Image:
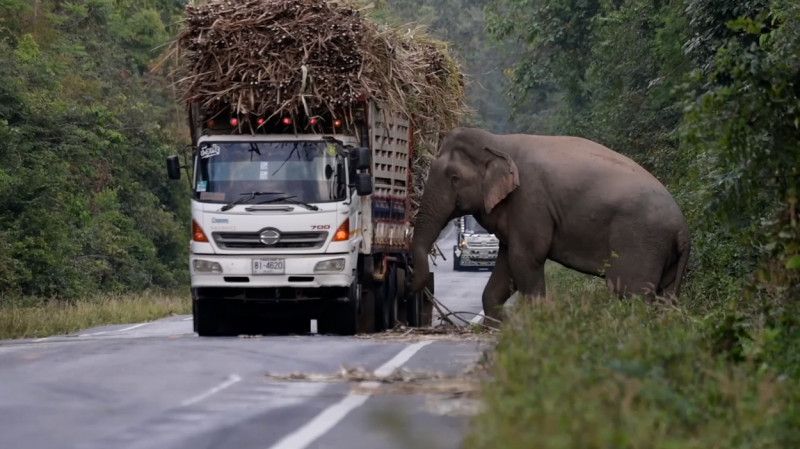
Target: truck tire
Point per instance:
(366, 313)
(411, 304)
(414, 303)
(456, 261)
(208, 316)
(386, 302)
(344, 318)
(403, 297)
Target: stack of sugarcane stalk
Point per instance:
(278, 57)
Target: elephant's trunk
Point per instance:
(434, 213)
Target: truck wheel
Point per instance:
(403, 297)
(366, 313)
(456, 263)
(208, 316)
(344, 318)
(386, 310)
(456, 260)
(414, 309)
(410, 307)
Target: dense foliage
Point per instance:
(84, 130)
(705, 94)
(585, 370)
(702, 92)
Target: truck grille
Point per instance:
(482, 244)
(251, 240)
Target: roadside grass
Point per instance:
(583, 369)
(34, 318)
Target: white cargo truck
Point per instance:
(301, 219)
(475, 248)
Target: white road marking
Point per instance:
(477, 318)
(328, 418)
(188, 319)
(400, 359)
(135, 326)
(232, 379)
(41, 339)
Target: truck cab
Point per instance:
(475, 248)
(283, 198)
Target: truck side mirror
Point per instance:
(173, 167)
(363, 158)
(363, 184)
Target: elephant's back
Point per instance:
(577, 170)
(578, 152)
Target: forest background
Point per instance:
(703, 93)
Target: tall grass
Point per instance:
(38, 318)
(583, 369)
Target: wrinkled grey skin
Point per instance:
(561, 198)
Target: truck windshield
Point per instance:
(313, 172)
(472, 226)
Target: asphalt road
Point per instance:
(158, 385)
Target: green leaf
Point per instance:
(794, 262)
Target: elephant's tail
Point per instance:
(673, 275)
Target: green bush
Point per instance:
(586, 370)
(85, 205)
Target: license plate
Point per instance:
(269, 266)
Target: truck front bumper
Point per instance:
(299, 271)
(469, 257)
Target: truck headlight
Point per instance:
(206, 266)
(333, 265)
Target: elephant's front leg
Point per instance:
(527, 271)
(498, 289)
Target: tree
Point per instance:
(84, 129)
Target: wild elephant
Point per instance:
(562, 198)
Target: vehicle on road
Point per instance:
(313, 224)
(475, 248)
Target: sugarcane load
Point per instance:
(311, 128)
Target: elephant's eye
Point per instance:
(454, 180)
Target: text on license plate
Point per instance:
(269, 266)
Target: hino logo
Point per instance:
(269, 237)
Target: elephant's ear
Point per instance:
(501, 178)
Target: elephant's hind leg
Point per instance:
(498, 289)
(637, 277)
(638, 266)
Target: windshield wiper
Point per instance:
(291, 199)
(246, 196)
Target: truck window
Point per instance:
(305, 169)
(473, 226)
